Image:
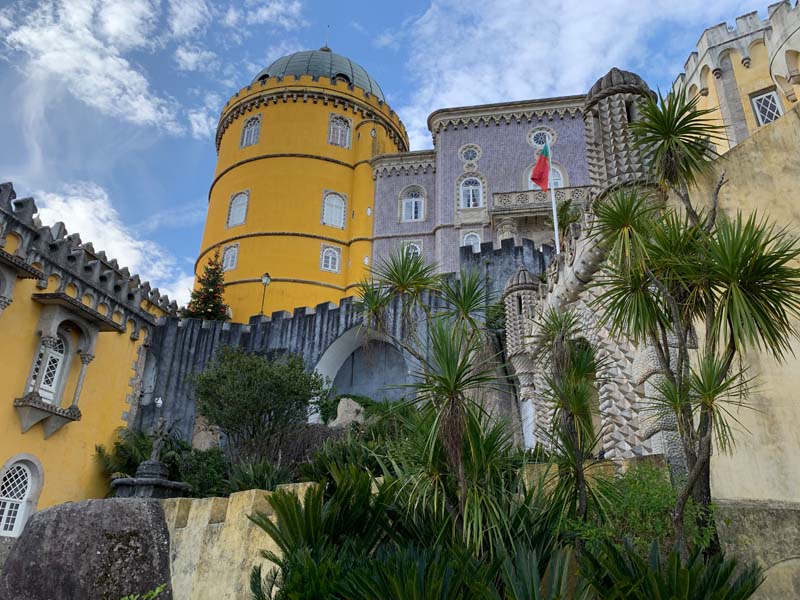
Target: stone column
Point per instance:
(4, 303)
(86, 358)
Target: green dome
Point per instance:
(323, 63)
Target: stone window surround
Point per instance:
(235, 249)
(416, 242)
(325, 194)
(245, 124)
(484, 194)
(28, 508)
(324, 250)
(771, 90)
(401, 200)
(228, 224)
(526, 177)
(336, 117)
(468, 232)
(476, 147)
(533, 131)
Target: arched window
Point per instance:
(412, 204)
(229, 257)
(556, 179)
(237, 210)
(412, 249)
(471, 193)
(333, 211)
(474, 240)
(15, 488)
(51, 366)
(330, 259)
(250, 131)
(339, 131)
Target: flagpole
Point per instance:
(553, 199)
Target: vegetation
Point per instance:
(255, 401)
(207, 299)
(151, 595)
(673, 274)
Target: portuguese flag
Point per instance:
(541, 172)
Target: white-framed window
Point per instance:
(556, 178)
(251, 129)
(237, 209)
(413, 249)
(230, 257)
(767, 107)
(472, 239)
(15, 488)
(51, 365)
(333, 210)
(412, 205)
(471, 193)
(339, 131)
(331, 259)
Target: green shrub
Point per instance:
(642, 513)
(151, 595)
(205, 471)
(262, 475)
(620, 572)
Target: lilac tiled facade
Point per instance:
(503, 158)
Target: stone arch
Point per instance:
(352, 345)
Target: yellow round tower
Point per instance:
(293, 191)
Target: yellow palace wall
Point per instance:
(764, 176)
(287, 172)
(70, 471)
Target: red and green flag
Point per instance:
(541, 171)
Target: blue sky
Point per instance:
(108, 107)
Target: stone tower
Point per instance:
(293, 191)
(520, 298)
(610, 106)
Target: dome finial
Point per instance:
(325, 48)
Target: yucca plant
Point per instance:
(259, 475)
(620, 573)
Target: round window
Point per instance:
(540, 136)
(470, 153)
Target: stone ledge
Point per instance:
(31, 409)
(22, 269)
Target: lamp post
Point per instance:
(265, 279)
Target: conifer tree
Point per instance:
(207, 301)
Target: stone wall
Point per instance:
(214, 545)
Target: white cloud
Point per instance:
(467, 52)
(88, 210)
(194, 58)
(285, 13)
(62, 43)
(203, 119)
(187, 17)
(128, 24)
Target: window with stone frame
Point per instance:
(412, 204)
(333, 210)
(767, 107)
(472, 239)
(237, 209)
(330, 259)
(471, 193)
(413, 249)
(556, 178)
(15, 487)
(339, 131)
(50, 369)
(251, 130)
(230, 256)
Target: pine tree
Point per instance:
(207, 301)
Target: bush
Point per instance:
(205, 471)
(329, 406)
(261, 475)
(151, 595)
(642, 513)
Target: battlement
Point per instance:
(716, 41)
(305, 88)
(50, 250)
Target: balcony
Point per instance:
(535, 203)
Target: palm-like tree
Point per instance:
(670, 273)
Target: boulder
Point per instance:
(347, 411)
(92, 550)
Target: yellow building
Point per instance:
(74, 328)
(293, 189)
(748, 74)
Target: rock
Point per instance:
(92, 550)
(348, 411)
